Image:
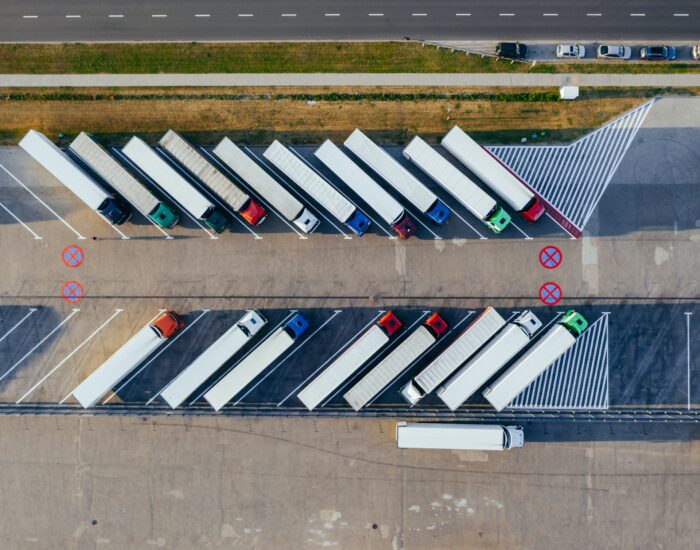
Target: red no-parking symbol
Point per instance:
(72, 292)
(550, 257)
(72, 256)
(550, 293)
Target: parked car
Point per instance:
(511, 50)
(570, 50)
(614, 52)
(651, 53)
(696, 51)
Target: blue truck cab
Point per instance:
(115, 210)
(296, 326)
(358, 222)
(438, 212)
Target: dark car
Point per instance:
(651, 53)
(511, 50)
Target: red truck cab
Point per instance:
(436, 324)
(253, 213)
(533, 211)
(390, 323)
(167, 324)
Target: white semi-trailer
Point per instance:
(318, 188)
(536, 360)
(397, 176)
(479, 331)
(127, 358)
(256, 362)
(62, 167)
(219, 184)
(365, 347)
(280, 199)
(484, 365)
(458, 437)
(418, 342)
(182, 191)
(493, 173)
(447, 176)
(102, 163)
(213, 358)
(369, 190)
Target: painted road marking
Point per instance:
(6, 209)
(165, 347)
(116, 16)
(67, 357)
(688, 314)
(550, 294)
(245, 15)
(202, 15)
(227, 171)
(22, 320)
(376, 14)
(72, 292)
(579, 379)
(278, 325)
(379, 314)
(147, 178)
(206, 191)
(72, 16)
(550, 257)
(302, 344)
(73, 256)
(69, 226)
(18, 363)
(30, 17)
(289, 15)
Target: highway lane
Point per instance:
(111, 20)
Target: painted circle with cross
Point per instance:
(72, 256)
(550, 257)
(72, 292)
(550, 293)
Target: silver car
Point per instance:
(614, 52)
(570, 50)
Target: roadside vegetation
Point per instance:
(309, 115)
(284, 57)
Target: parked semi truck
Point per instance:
(213, 358)
(127, 358)
(365, 347)
(397, 176)
(417, 343)
(484, 365)
(102, 163)
(65, 170)
(536, 360)
(479, 331)
(182, 191)
(493, 174)
(280, 199)
(214, 180)
(318, 188)
(369, 190)
(447, 176)
(256, 362)
(461, 437)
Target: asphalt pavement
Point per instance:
(85, 20)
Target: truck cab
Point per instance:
(574, 322)
(438, 212)
(164, 216)
(167, 324)
(296, 326)
(513, 437)
(405, 227)
(533, 210)
(497, 220)
(253, 213)
(358, 222)
(115, 210)
(528, 322)
(390, 323)
(251, 323)
(216, 220)
(436, 324)
(307, 222)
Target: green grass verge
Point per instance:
(282, 57)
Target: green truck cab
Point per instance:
(498, 220)
(574, 322)
(164, 216)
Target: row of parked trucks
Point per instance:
(107, 187)
(471, 362)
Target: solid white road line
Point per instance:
(30, 17)
(103, 325)
(6, 209)
(72, 16)
(375, 14)
(687, 322)
(159, 15)
(289, 15)
(202, 15)
(245, 15)
(31, 311)
(594, 14)
(69, 226)
(637, 14)
(463, 14)
(116, 16)
(18, 363)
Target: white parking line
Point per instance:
(124, 237)
(245, 15)
(375, 14)
(331, 15)
(470, 226)
(335, 313)
(116, 16)
(332, 356)
(72, 16)
(165, 347)
(419, 14)
(31, 311)
(637, 14)
(62, 362)
(69, 226)
(147, 178)
(550, 15)
(289, 15)
(463, 14)
(202, 15)
(681, 14)
(260, 343)
(594, 14)
(687, 323)
(18, 363)
(30, 17)
(506, 15)
(159, 15)
(6, 209)
(226, 170)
